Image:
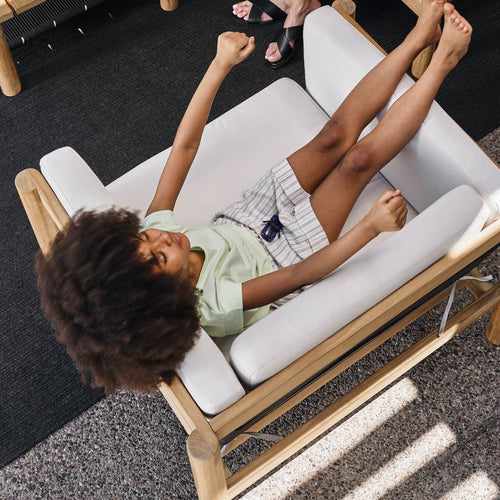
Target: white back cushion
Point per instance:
(236, 149)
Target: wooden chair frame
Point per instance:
(294, 383)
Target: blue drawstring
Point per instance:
(271, 229)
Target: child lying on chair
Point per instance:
(127, 297)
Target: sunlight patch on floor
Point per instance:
(337, 442)
(405, 464)
(478, 486)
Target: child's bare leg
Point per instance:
(315, 160)
(336, 195)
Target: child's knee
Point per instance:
(358, 160)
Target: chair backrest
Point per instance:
(439, 158)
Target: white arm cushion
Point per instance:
(439, 158)
(364, 280)
(208, 377)
(73, 181)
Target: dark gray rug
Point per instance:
(116, 94)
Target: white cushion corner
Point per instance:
(208, 377)
(73, 181)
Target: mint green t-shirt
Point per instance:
(233, 255)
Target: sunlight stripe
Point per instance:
(337, 442)
(478, 486)
(405, 464)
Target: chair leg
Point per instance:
(422, 61)
(346, 6)
(9, 79)
(493, 330)
(169, 4)
(207, 466)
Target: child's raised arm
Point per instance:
(232, 48)
(387, 214)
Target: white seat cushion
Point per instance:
(236, 150)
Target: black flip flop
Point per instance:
(285, 36)
(258, 7)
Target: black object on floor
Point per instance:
(116, 91)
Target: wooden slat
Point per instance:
(302, 436)
(45, 212)
(312, 362)
(22, 5)
(493, 330)
(478, 288)
(5, 11)
(184, 407)
(344, 365)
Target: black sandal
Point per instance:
(287, 35)
(258, 7)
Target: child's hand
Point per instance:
(388, 212)
(232, 48)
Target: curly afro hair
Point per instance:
(123, 324)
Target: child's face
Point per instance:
(169, 250)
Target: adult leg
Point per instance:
(313, 162)
(297, 12)
(333, 200)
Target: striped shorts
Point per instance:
(278, 192)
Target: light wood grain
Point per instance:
(169, 4)
(184, 406)
(23, 5)
(5, 11)
(9, 79)
(493, 330)
(346, 7)
(207, 466)
(422, 61)
(477, 288)
(45, 212)
(263, 464)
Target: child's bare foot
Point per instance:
(455, 39)
(427, 30)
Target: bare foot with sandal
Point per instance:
(293, 12)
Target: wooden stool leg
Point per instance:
(169, 4)
(207, 466)
(422, 61)
(346, 6)
(9, 80)
(493, 331)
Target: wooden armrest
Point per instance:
(23, 5)
(45, 212)
(5, 11)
